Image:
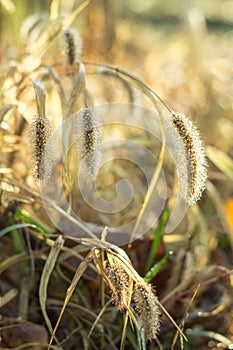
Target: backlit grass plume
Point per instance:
(73, 45)
(40, 145)
(89, 134)
(191, 158)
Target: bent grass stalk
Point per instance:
(193, 148)
(134, 81)
(44, 280)
(78, 274)
(181, 325)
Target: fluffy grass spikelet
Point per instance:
(191, 162)
(41, 148)
(89, 147)
(146, 307)
(73, 45)
(118, 284)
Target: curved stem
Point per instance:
(151, 95)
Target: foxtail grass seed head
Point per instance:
(191, 158)
(119, 285)
(89, 147)
(146, 307)
(41, 148)
(74, 45)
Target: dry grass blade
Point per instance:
(12, 261)
(79, 86)
(172, 320)
(206, 237)
(131, 90)
(78, 274)
(221, 160)
(48, 268)
(54, 9)
(57, 80)
(131, 80)
(69, 128)
(98, 317)
(137, 83)
(72, 219)
(8, 5)
(4, 110)
(11, 294)
(40, 97)
(150, 188)
(45, 40)
(69, 20)
(181, 325)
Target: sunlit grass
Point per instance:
(83, 289)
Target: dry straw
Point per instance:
(89, 134)
(191, 158)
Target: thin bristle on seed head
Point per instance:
(40, 147)
(191, 158)
(146, 307)
(89, 134)
(73, 45)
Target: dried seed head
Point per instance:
(73, 45)
(89, 134)
(146, 306)
(119, 285)
(191, 158)
(41, 148)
